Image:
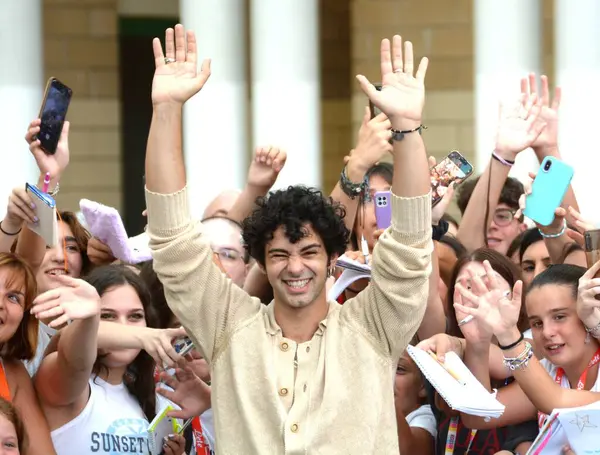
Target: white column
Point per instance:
(215, 127)
(286, 105)
(577, 61)
(507, 39)
(21, 90)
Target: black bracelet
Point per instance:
(399, 135)
(512, 345)
(351, 189)
(9, 233)
(502, 160)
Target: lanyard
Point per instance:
(201, 445)
(4, 389)
(560, 373)
(451, 439)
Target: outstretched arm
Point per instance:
(205, 302)
(392, 306)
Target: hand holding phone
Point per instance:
(455, 168)
(53, 114)
(548, 190)
(383, 209)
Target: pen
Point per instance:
(46, 182)
(364, 246)
(448, 369)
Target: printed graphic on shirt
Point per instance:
(123, 436)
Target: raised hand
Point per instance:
(581, 225)
(266, 166)
(20, 209)
(55, 164)
(548, 113)
(588, 305)
(495, 311)
(189, 392)
(519, 126)
(402, 95)
(74, 300)
(176, 78)
(373, 141)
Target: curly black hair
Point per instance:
(294, 208)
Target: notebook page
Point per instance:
(346, 263)
(582, 427)
(471, 398)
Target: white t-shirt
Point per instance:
(45, 334)
(565, 384)
(423, 418)
(112, 422)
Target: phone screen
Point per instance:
(453, 168)
(53, 114)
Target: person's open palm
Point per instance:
(519, 126)
(56, 163)
(176, 78)
(548, 112)
(188, 391)
(74, 300)
(402, 94)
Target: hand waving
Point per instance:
(55, 164)
(74, 300)
(548, 113)
(179, 80)
(266, 166)
(494, 310)
(402, 95)
(518, 126)
(189, 392)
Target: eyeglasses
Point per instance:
(228, 255)
(503, 217)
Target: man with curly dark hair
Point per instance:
(297, 231)
(300, 375)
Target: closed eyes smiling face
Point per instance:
(297, 271)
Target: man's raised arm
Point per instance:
(205, 302)
(392, 307)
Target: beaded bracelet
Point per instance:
(521, 361)
(557, 235)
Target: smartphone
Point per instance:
(455, 168)
(183, 346)
(375, 110)
(383, 209)
(548, 190)
(592, 249)
(53, 113)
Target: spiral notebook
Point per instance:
(461, 390)
(160, 428)
(47, 226)
(353, 271)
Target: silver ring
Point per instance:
(398, 71)
(169, 60)
(466, 320)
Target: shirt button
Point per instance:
(284, 346)
(307, 348)
(283, 392)
(294, 428)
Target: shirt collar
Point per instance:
(273, 328)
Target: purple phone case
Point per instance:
(383, 209)
(106, 225)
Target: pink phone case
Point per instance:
(383, 209)
(106, 225)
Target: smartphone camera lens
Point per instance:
(547, 166)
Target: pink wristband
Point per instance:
(502, 160)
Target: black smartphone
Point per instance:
(374, 110)
(53, 113)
